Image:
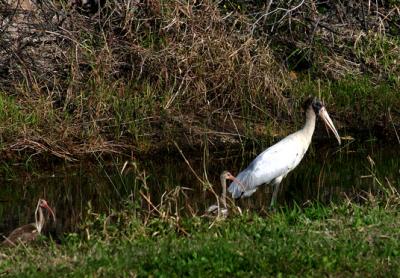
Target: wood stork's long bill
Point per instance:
(328, 122)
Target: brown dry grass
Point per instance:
(93, 82)
(136, 73)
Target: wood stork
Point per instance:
(273, 164)
(31, 231)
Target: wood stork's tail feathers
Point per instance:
(235, 190)
(249, 192)
(243, 187)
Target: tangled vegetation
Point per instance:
(122, 76)
(135, 77)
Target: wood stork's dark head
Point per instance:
(319, 109)
(314, 104)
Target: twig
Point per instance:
(188, 163)
(394, 127)
(274, 11)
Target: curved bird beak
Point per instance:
(234, 179)
(46, 206)
(325, 117)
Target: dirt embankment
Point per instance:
(86, 77)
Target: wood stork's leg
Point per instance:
(276, 182)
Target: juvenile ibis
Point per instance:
(217, 209)
(273, 164)
(31, 231)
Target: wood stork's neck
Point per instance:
(309, 127)
(223, 196)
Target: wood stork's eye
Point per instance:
(317, 105)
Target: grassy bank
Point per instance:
(338, 239)
(121, 78)
(164, 234)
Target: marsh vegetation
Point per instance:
(151, 219)
(133, 76)
(175, 92)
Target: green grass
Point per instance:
(357, 103)
(380, 53)
(339, 240)
(14, 117)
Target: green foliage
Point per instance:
(341, 240)
(13, 117)
(380, 53)
(359, 101)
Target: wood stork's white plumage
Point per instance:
(273, 164)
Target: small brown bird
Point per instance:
(31, 231)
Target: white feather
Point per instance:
(275, 162)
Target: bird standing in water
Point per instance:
(273, 164)
(223, 211)
(31, 231)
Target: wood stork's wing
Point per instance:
(276, 161)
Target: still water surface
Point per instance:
(327, 173)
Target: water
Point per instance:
(326, 174)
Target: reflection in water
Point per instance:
(324, 176)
